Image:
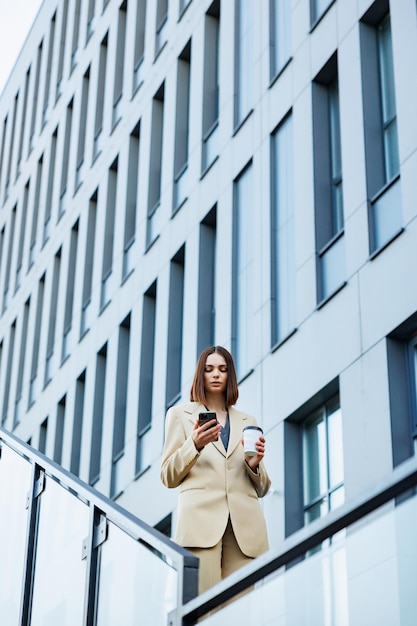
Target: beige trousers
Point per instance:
(219, 561)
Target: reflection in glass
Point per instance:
(135, 586)
(15, 480)
(60, 572)
(367, 577)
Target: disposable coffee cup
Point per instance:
(251, 435)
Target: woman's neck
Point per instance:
(216, 403)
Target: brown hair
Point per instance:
(198, 392)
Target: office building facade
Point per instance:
(176, 174)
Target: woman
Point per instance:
(219, 517)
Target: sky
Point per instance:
(16, 18)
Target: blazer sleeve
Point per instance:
(179, 454)
(260, 479)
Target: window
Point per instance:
(33, 387)
(155, 166)
(120, 62)
(328, 182)
(11, 149)
(22, 361)
(183, 5)
(107, 267)
(82, 130)
(48, 70)
(35, 98)
(118, 480)
(313, 444)
(131, 202)
(182, 128)
(3, 145)
(23, 220)
(146, 375)
(90, 18)
(23, 123)
(242, 295)
(49, 193)
(62, 42)
(9, 259)
(52, 318)
(65, 160)
(413, 368)
(283, 274)
(323, 461)
(175, 328)
(35, 212)
(211, 85)
(75, 34)
(380, 127)
(43, 436)
(206, 282)
(88, 264)
(98, 124)
(77, 427)
(139, 44)
(402, 379)
(69, 298)
(243, 61)
(10, 360)
(59, 430)
(318, 8)
(161, 25)
(98, 411)
(280, 35)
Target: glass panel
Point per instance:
(135, 584)
(60, 572)
(387, 215)
(392, 158)
(367, 577)
(317, 510)
(389, 112)
(335, 158)
(283, 233)
(245, 60)
(281, 37)
(244, 273)
(210, 148)
(319, 8)
(333, 268)
(386, 70)
(335, 437)
(181, 188)
(15, 481)
(315, 460)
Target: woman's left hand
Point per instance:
(253, 461)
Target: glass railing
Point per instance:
(355, 567)
(71, 556)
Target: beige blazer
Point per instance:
(213, 484)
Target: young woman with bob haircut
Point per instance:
(219, 517)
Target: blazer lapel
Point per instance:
(237, 423)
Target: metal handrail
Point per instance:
(401, 482)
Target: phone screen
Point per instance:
(207, 416)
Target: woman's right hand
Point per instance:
(207, 433)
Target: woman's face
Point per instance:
(215, 374)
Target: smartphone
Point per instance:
(207, 416)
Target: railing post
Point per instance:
(32, 504)
(91, 552)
